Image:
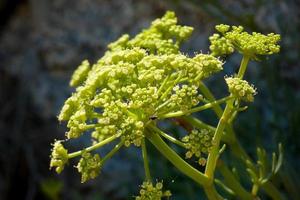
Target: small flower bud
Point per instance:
(80, 74)
(240, 89)
(89, 166)
(59, 157)
(150, 192)
(198, 142)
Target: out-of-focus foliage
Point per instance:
(43, 40)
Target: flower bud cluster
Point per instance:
(220, 45)
(59, 157)
(120, 43)
(159, 38)
(125, 87)
(198, 142)
(241, 89)
(152, 192)
(80, 74)
(184, 97)
(209, 65)
(89, 166)
(249, 44)
(168, 26)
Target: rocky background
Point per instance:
(43, 41)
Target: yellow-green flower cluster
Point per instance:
(152, 192)
(249, 44)
(185, 94)
(159, 38)
(240, 88)
(80, 74)
(209, 65)
(118, 94)
(59, 157)
(220, 45)
(198, 142)
(89, 166)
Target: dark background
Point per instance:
(43, 41)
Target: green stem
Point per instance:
(254, 190)
(207, 93)
(94, 147)
(243, 66)
(168, 137)
(163, 105)
(112, 152)
(170, 88)
(163, 85)
(176, 160)
(146, 161)
(235, 146)
(196, 109)
(232, 183)
(201, 125)
(198, 123)
(212, 193)
(224, 187)
(214, 153)
(272, 191)
(217, 108)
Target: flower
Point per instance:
(152, 192)
(59, 157)
(80, 74)
(134, 80)
(198, 142)
(252, 45)
(240, 89)
(89, 166)
(220, 45)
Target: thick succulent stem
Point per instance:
(146, 161)
(175, 159)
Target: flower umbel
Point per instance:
(198, 142)
(59, 157)
(133, 81)
(240, 89)
(152, 192)
(248, 44)
(89, 166)
(145, 79)
(80, 74)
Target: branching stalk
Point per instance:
(146, 161)
(112, 152)
(214, 154)
(232, 183)
(196, 109)
(176, 160)
(168, 137)
(94, 147)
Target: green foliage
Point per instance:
(145, 79)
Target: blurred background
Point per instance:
(43, 41)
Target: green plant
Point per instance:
(146, 79)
